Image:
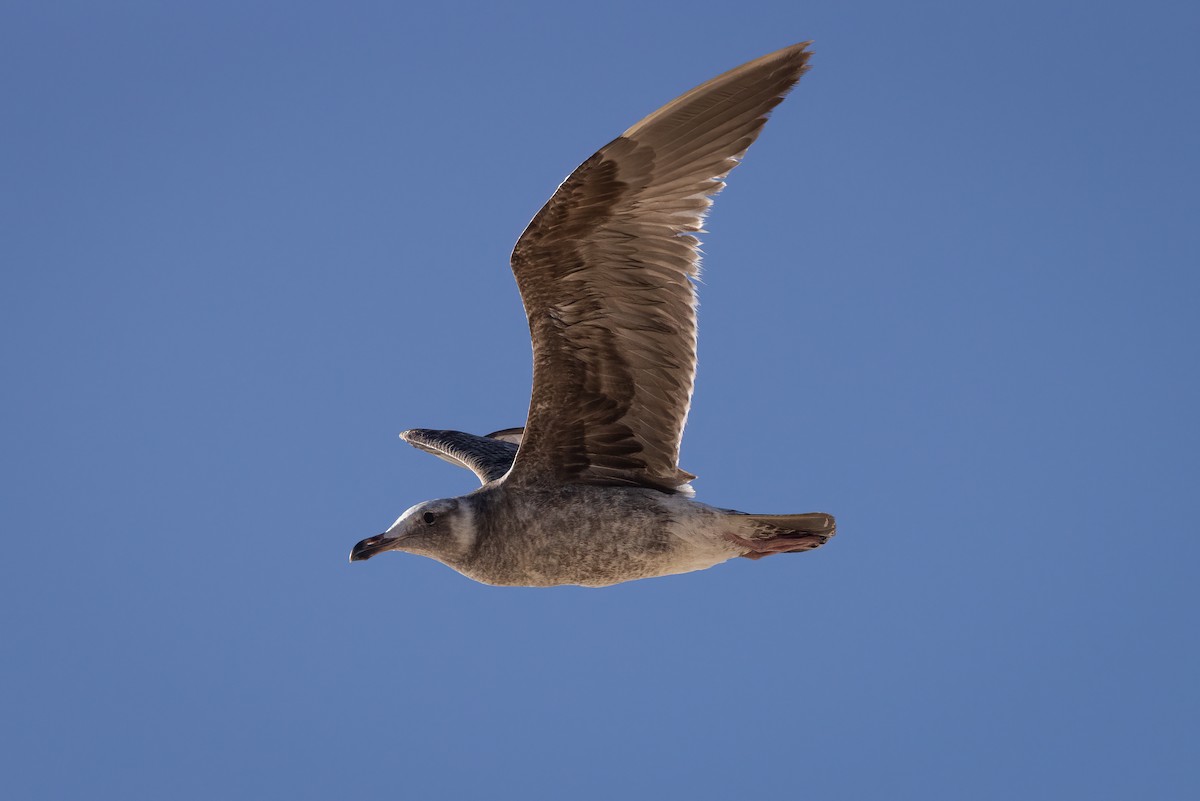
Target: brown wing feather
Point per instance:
(605, 273)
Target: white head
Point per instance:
(442, 529)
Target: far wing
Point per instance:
(487, 457)
(513, 435)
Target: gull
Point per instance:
(589, 491)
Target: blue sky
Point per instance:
(949, 297)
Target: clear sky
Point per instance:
(951, 297)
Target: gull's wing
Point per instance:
(487, 457)
(605, 273)
(512, 435)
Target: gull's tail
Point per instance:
(763, 535)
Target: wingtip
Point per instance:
(788, 64)
(795, 56)
(795, 48)
(801, 49)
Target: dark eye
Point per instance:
(430, 518)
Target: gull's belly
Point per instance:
(597, 537)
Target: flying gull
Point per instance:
(590, 491)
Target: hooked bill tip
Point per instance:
(367, 548)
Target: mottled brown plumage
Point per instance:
(605, 271)
(591, 492)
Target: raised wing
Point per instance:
(487, 457)
(605, 273)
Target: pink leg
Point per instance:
(757, 549)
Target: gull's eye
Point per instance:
(429, 517)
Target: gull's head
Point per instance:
(442, 529)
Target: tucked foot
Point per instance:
(763, 535)
(757, 549)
